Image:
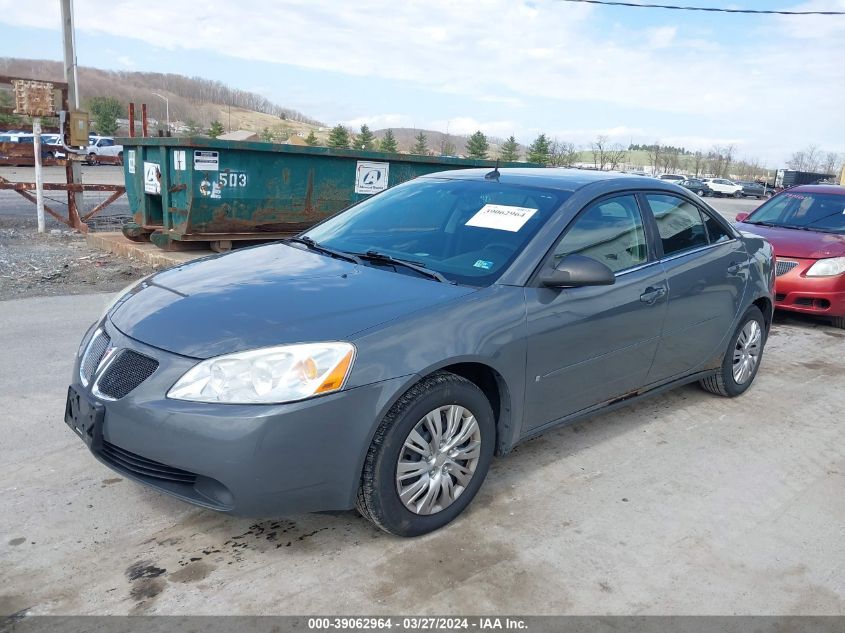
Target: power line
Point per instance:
(675, 7)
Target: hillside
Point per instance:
(196, 102)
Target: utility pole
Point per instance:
(74, 170)
(166, 107)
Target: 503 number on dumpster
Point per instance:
(232, 179)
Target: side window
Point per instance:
(610, 232)
(678, 222)
(715, 231)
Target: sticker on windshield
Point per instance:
(501, 217)
(483, 263)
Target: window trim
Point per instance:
(658, 241)
(652, 254)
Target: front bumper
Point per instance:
(794, 291)
(251, 460)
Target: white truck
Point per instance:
(103, 149)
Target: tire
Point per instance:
(701, 193)
(738, 194)
(723, 382)
(378, 493)
(838, 322)
(92, 159)
(120, 158)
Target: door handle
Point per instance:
(735, 267)
(652, 294)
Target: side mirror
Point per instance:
(741, 217)
(575, 271)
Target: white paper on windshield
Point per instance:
(501, 217)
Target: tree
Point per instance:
(539, 150)
(509, 151)
(388, 143)
(192, 128)
(477, 145)
(365, 140)
(339, 137)
(831, 164)
(311, 139)
(421, 146)
(805, 160)
(654, 153)
(562, 154)
(216, 129)
(105, 111)
(267, 135)
(447, 147)
(599, 147)
(698, 162)
(615, 155)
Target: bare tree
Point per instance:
(698, 162)
(831, 163)
(562, 154)
(807, 159)
(615, 156)
(599, 147)
(654, 154)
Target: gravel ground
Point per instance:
(57, 263)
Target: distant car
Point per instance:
(672, 177)
(380, 359)
(806, 227)
(697, 186)
(103, 146)
(724, 187)
(754, 189)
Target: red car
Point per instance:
(806, 227)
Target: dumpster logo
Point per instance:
(152, 178)
(371, 177)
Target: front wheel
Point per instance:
(742, 358)
(738, 194)
(429, 456)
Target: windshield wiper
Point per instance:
(763, 224)
(375, 256)
(311, 244)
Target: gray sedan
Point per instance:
(381, 359)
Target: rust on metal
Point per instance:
(132, 119)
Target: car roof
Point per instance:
(838, 190)
(553, 177)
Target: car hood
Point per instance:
(268, 295)
(797, 243)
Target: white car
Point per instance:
(724, 187)
(103, 146)
(672, 177)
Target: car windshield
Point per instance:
(802, 210)
(469, 231)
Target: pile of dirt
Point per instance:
(59, 262)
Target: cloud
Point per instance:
(783, 79)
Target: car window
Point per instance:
(611, 232)
(468, 230)
(716, 232)
(106, 142)
(678, 222)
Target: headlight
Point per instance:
(122, 294)
(827, 267)
(269, 375)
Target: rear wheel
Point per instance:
(429, 456)
(737, 194)
(742, 358)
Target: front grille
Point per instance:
(93, 355)
(143, 467)
(784, 266)
(125, 372)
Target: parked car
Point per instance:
(806, 226)
(671, 177)
(754, 189)
(100, 146)
(697, 186)
(383, 357)
(724, 187)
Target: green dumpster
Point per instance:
(202, 189)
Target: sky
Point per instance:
(770, 85)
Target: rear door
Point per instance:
(589, 345)
(706, 267)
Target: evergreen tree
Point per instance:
(510, 150)
(311, 139)
(193, 128)
(388, 143)
(216, 129)
(539, 150)
(477, 145)
(339, 137)
(267, 135)
(421, 146)
(365, 140)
